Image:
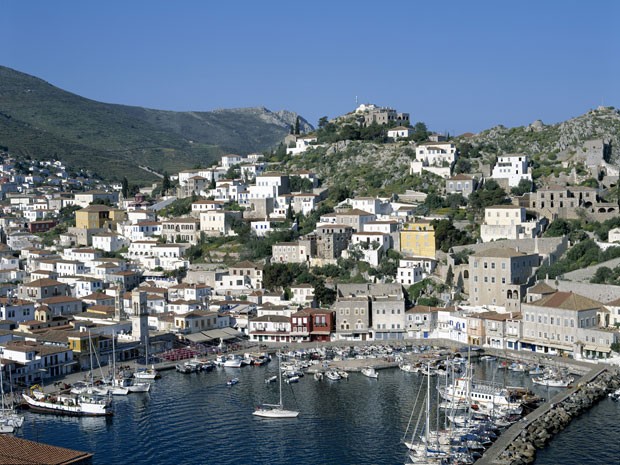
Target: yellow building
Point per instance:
(98, 216)
(418, 239)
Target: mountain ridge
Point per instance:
(43, 121)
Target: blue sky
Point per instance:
(456, 65)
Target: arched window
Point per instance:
(509, 294)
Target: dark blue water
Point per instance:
(197, 419)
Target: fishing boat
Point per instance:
(233, 361)
(408, 368)
(333, 375)
(370, 372)
(69, 404)
(276, 410)
(553, 381)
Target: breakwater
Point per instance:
(518, 445)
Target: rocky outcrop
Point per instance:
(541, 430)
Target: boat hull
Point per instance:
(80, 409)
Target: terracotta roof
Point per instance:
(44, 282)
(541, 288)
(60, 299)
(500, 253)
(18, 451)
(568, 301)
(460, 177)
(247, 264)
(354, 212)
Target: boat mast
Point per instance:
(113, 358)
(428, 407)
(280, 378)
(1, 379)
(90, 351)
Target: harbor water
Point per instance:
(197, 419)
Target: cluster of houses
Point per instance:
(110, 276)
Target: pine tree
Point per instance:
(125, 188)
(450, 276)
(165, 184)
(297, 126)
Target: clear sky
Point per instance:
(456, 65)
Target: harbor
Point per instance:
(514, 445)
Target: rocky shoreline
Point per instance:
(556, 416)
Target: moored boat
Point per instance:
(370, 372)
(70, 404)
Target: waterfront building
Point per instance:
(567, 323)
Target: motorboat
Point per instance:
(370, 372)
(333, 375)
(318, 376)
(233, 361)
(292, 379)
(232, 382)
(271, 379)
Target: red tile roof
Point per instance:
(17, 451)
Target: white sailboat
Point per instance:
(275, 410)
(146, 373)
(9, 419)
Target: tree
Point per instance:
(297, 125)
(490, 194)
(323, 122)
(524, 186)
(166, 185)
(420, 132)
(450, 276)
(125, 188)
(602, 275)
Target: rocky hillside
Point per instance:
(364, 168)
(566, 141)
(43, 121)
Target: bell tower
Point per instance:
(139, 317)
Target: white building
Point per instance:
(435, 157)
(507, 222)
(109, 241)
(400, 132)
(514, 168)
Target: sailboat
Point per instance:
(81, 387)
(275, 410)
(146, 373)
(9, 419)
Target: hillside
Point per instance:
(371, 168)
(548, 144)
(43, 121)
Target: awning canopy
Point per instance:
(223, 334)
(597, 348)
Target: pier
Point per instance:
(517, 445)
